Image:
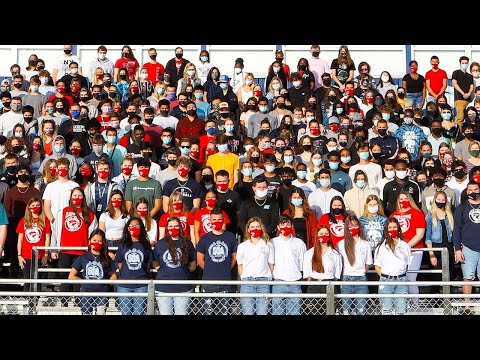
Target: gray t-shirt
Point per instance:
(255, 120)
(36, 101)
(165, 175)
(461, 150)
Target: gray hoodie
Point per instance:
(56, 155)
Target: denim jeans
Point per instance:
(173, 305)
(286, 306)
(391, 306)
(132, 305)
(252, 305)
(354, 306)
(216, 306)
(88, 303)
(416, 99)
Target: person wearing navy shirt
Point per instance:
(134, 257)
(217, 255)
(94, 264)
(174, 258)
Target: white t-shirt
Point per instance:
(381, 185)
(373, 171)
(8, 121)
(390, 263)
(62, 63)
(332, 265)
(166, 122)
(319, 200)
(153, 233)
(288, 258)
(256, 258)
(59, 195)
(307, 188)
(113, 228)
(363, 257)
(457, 188)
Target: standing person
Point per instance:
(289, 253)
(321, 263)
(304, 221)
(413, 225)
(392, 257)
(255, 258)
(176, 66)
(438, 176)
(355, 197)
(217, 256)
(463, 84)
(335, 219)
(357, 259)
(177, 208)
(373, 220)
(72, 227)
(140, 210)
(126, 175)
(436, 80)
(100, 62)
(225, 160)
(320, 199)
(373, 170)
(343, 68)
(134, 258)
(318, 66)
(94, 264)
(128, 62)
(228, 200)
(414, 85)
(174, 259)
(202, 216)
(63, 61)
(465, 237)
(154, 68)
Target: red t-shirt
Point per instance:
(130, 65)
(336, 229)
(74, 230)
(436, 79)
(410, 221)
(185, 218)
(203, 216)
(204, 140)
(34, 236)
(104, 122)
(155, 71)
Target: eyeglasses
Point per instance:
(185, 147)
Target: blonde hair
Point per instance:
(448, 210)
(247, 235)
(410, 200)
(371, 197)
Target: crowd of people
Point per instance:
(322, 174)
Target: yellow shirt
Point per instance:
(229, 162)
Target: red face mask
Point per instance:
(144, 172)
(194, 153)
(323, 238)
(62, 172)
(117, 109)
(209, 152)
(134, 89)
(354, 231)
(256, 233)
(216, 225)
(211, 202)
(142, 212)
(435, 66)
(36, 209)
(258, 93)
(405, 204)
(60, 90)
(183, 172)
(370, 100)
(349, 92)
(476, 178)
(286, 230)
(36, 146)
(134, 232)
(334, 127)
(104, 174)
(222, 187)
(77, 201)
(116, 203)
(85, 172)
(393, 233)
(315, 131)
(94, 246)
(177, 206)
(414, 69)
(99, 76)
(75, 151)
(52, 171)
(75, 88)
(174, 232)
(126, 171)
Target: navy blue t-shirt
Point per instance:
(169, 270)
(90, 268)
(218, 251)
(189, 190)
(134, 263)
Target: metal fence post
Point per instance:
(447, 309)
(151, 298)
(330, 299)
(34, 268)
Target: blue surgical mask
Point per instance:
(112, 139)
(339, 111)
(364, 155)
(297, 202)
(211, 131)
(333, 165)
(385, 116)
(302, 174)
(325, 182)
(263, 108)
(360, 183)
(464, 67)
(59, 149)
(198, 95)
(75, 113)
(222, 147)
(270, 168)
(184, 151)
(229, 128)
(446, 116)
(288, 159)
(166, 140)
(204, 58)
(345, 159)
(317, 162)
(247, 171)
(160, 90)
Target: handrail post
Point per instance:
(34, 268)
(330, 299)
(446, 277)
(151, 298)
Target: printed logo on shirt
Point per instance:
(167, 259)
(337, 229)
(207, 226)
(93, 270)
(72, 222)
(134, 259)
(474, 216)
(404, 221)
(142, 188)
(218, 251)
(185, 191)
(33, 235)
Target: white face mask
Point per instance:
(44, 80)
(475, 74)
(143, 76)
(389, 174)
(191, 72)
(248, 147)
(261, 193)
(2, 149)
(248, 82)
(238, 71)
(401, 174)
(373, 209)
(73, 71)
(385, 78)
(102, 56)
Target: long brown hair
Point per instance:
(176, 195)
(341, 60)
(183, 242)
(349, 240)
(46, 172)
(85, 209)
(28, 219)
(410, 200)
(387, 239)
(247, 235)
(134, 212)
(111, 209)
(307, 210)
(104, 258)
(317, 263)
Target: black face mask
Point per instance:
(84, 99)
(172, 162)
(437, 131)
(378, 102)
(107, 83)
(315, 53)
(280, 149)
(164, 113)
(192, 112)
(382, 132)
(401, 95)
(302, 67)
(189, 94)
(251, 107)
(332, 98)
(59, 110)
(440, 205)
(224, 115)
(337, 211)
(68, 52)
(428, 169)
(23, 178)
(112, 94)
(123, 77)
(131, 113)
(148, 121)
(16, 149)
(377, 155)
(351, 105)
(423, 184)
(307, 147)
(469, 136)
(342, 143)
(6, 104)
(473, 196)
(279, 59)
(153, 57)
(96, 95)
(207, 178)
(39, 68)
(147, 154)
(255, 159)
(287, 126)
(459, 174)
(287, 181)
(360, 139)
(17, 85)
(28, 119)
(11, 169)
(178, 56)
(313, 105)
(281, 105)
(439, 182)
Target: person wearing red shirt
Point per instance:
(176, 208)
(209, 137)
(335, 219)
(128, 62)
(190, 126)
(155, 69)
(202, 216)
(413, 224)
(67, 100)
(436, 80)
(104, 117)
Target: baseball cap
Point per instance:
(223, 106)
(7, 82)
(333, 120)
(224, 78)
